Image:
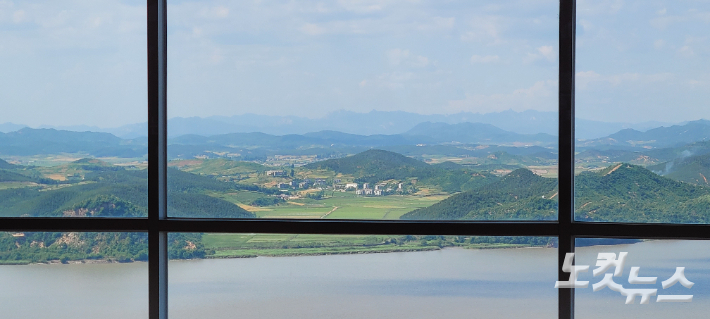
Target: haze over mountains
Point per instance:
(371, 123)
(662, 143)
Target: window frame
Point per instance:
(158, 225)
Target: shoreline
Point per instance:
(276, 253)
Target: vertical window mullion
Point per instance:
(566, 149)
(157, 159)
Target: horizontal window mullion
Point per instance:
(363, 227)
(75, 224)
(643, 231)
(482, 228)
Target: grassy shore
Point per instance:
(278, 245)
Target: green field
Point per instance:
(336, 205)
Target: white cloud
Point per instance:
(398, 57)
(437, 23)
(312, 29)
(219, 12)
(485, 59)
(486, 29)
(585, 79)
(595, 7)
(586, 25)
(548, 52)
(18, 16)
(686, 51)
(545, 52)
(658, 44)
(395, 56)
(363, 6)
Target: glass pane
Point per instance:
(74, 275)
(363, 109)
(655, 258)
(73, 137)
(642, 91)
(338, 276)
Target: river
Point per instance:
(449, 283)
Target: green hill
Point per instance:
(448, 165)
(691, 169)
(630, 193)
(375, 166)
(107, 191)
(33, 247)
(9, 176)
(5, 165)
(121, 193)
(619, 193)
(369, 162)
(519, 195)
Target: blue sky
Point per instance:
(83, 62)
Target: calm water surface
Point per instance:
(451, 283)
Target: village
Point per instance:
(336, 184)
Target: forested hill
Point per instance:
(619, 193)
(690, 169)
(368, 162)
(118, 192)
(374, 166)
(105, 190)
(519, 195)
(629, 193)
(5, 165)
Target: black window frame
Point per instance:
(158, 224)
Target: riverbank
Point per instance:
(289, 252)
(349, 250)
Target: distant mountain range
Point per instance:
(28, 141)
(662, 143)
(675, 135)
(371, 123)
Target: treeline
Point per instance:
(620, 193)
(519, 195)
(374, 166)
(63, 247)
(43, 247)
(121, 193)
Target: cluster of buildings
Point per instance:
(304, 183)
(277, 173)
(379, 189)
(364, 189)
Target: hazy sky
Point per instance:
(83, 62)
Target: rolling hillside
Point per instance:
(519, 195)
(375, 166)
(109, 190)
(619, 193)
(369, 161)
(691, 169)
